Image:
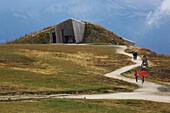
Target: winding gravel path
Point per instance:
(147, 91)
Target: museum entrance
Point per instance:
(54, 37)
(69, 39)
(68, 36)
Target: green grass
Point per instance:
(60, 69)
(84, 106)
(40, 37)
(99, 35)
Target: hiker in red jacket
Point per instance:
(136, 75)
(142, 73)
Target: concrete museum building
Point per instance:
(69, 31)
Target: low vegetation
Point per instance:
(97, 34)
(60, 69)
(84, 106)
(159, 65)
(40, 37)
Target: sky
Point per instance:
(147, 22)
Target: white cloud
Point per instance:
(132, 8)
(155, 18)
(134, 4)
(137, 14)
(115, 5)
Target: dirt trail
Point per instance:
(147, 91)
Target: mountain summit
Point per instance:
(72, 31)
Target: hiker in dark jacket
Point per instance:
(135, 54)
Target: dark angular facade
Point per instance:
(69, 31)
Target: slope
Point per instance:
(47, 69)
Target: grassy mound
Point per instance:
(97, 34)
(93, 34)
(40, 37)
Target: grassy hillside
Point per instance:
(159, 65)
(40, 37)
(97, 34)
(60, 69)
(93, 34)
(84, 106)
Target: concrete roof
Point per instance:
(128, 40)
(70, 19)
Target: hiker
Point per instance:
(142, 73)
(144, 65)
(144, 59)
(135, 54)
(144, 62)
(136, 75)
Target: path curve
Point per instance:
(147, 91)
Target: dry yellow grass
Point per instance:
(83, 59)
(57, 68)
